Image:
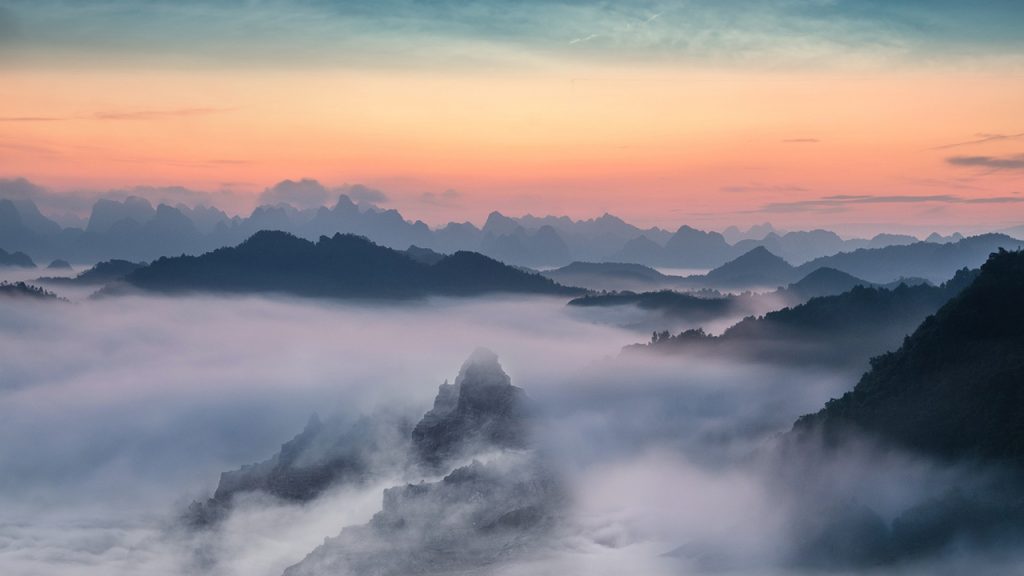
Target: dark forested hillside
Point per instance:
(955, 388)
(844, 329)
(340, 266)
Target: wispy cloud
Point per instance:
(840, 202)
(801, 141)
(992, 163)
(447, 198)
(157, 114)
(981, 138)
(30, 119)
(582, 39)
(758, 187)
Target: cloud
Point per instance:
(30, 119)
(583, 39)
(982, 138)
(993, 163)
(364, 194)
(446, 199)
(840, 202)
(758, 187)
(801, 141)
(157, 114)
(305, 193)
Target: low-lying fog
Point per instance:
(116, 413)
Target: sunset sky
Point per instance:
(849, 114)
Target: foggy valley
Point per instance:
(504, 288)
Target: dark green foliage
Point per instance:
(23, 290)
(955, 388)
(843, 329)
(671, 303)
(102, 273)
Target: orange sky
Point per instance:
(656, 145)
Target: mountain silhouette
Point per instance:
(758, 267)
(934, 262)
(341, 266)
(477, 516)
(102, 273)
(953, 389)
(843, 330)
(611, 276)
(482, 407)
(15, 259)
(825, 282)
(26, 291)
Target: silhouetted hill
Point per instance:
(101, 273)
(692, 248)
(59, 264)
(670, 303)
(341, 266)
(934, 262)
(844, 329)
(953, 391)
(15, 259)
(424, 255)
(756, 268)
(611, 276)
(955, 388)
(23, 290)
(823, 282)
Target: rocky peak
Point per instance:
(481, 410)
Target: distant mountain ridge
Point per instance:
(133, 229)
(342, 266)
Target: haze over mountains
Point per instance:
(133, 229)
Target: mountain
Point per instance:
(611, 276)
(59, 264)
(842, 330)
(477, 516)
(642, 250)
(15, 259)
(26, 291)
(692, 248)
(102, 273)
(954, 388)
(824, 282)
(934, 262)
(474, 520)
(951, 392)
(669, 303)
(756, 268)
(341, 266)
(323, 455)
(481, 410)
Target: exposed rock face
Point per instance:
(481, 411)
(476, 517)
(323, 455)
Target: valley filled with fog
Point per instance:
(117, 412)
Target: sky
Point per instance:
(806, 113)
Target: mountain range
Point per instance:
(842, 330)
(133, 229)
(342, 266)
(475, 515)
